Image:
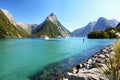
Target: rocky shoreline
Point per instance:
(89, 69)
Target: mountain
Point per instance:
(114, 22)
(51, 27)
(101, 24)
(21, 26)
(118, 25)
(8, 28)
(111, 32)
(82, 32)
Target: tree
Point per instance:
(98, 34)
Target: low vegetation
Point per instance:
(112, 70)
(98, 34)
(108, 33)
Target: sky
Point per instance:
(73, 14)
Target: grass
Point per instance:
(117, 55)
(112, 70)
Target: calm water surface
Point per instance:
(21, 58)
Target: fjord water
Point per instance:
(21, 58)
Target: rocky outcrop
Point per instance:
(89, 69)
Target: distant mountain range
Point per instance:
(112, 32)
(101, 24)
(51, 27)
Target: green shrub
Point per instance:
(98, 34)
(112, 70)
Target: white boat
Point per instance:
(46, 37)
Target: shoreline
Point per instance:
(89, 70)
(63, 71)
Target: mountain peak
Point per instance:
(52, 14)
(101, 18)
(53, 18)
(51, 27)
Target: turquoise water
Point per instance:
(21, 58)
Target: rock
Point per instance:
(96, 55)
(65, 78)
(104, 50)
(69, 73)
(90, 78)
(101, 56)
(100, 60)
(81, 66)
(76, 68)
(107, 55)
(89, 70)
(88, 66)
(96, 59)
(90, 61)
(112, 48)
(84, 64)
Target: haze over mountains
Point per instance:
(51, 27)
(101, 24)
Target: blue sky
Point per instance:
(72, 14)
